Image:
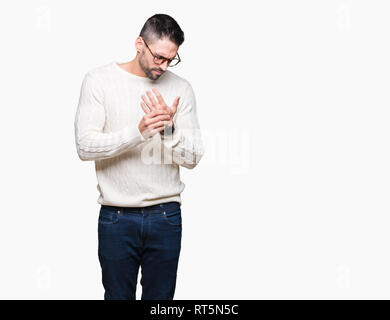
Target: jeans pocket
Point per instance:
(108, 216)
(110, 243)
(172, 218)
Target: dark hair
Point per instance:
(160, 26)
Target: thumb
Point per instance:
(175, 104)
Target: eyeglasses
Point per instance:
(159, 60)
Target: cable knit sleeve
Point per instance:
(91, 142)
(185, 144)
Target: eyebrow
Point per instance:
(160, 56)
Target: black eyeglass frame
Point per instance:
(157, 58)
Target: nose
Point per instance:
(164, 66)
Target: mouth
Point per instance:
(158, 72)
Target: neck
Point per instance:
(133, 67)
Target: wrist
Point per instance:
(168, 130)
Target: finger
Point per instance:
(158, 124)
(156, 119)
(158, 129)
(159, 97)
(156, 112)
(152, 99)
(152, 131)
(145, 107)
(175, 104)
(147, 102)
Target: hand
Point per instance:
(159, 104)
(153, 122)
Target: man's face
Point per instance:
(160, 47)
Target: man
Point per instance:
(138, 122)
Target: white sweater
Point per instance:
(133, 171)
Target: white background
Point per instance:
(291, 199)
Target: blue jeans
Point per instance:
(149, 237)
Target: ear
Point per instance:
(138, 44)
